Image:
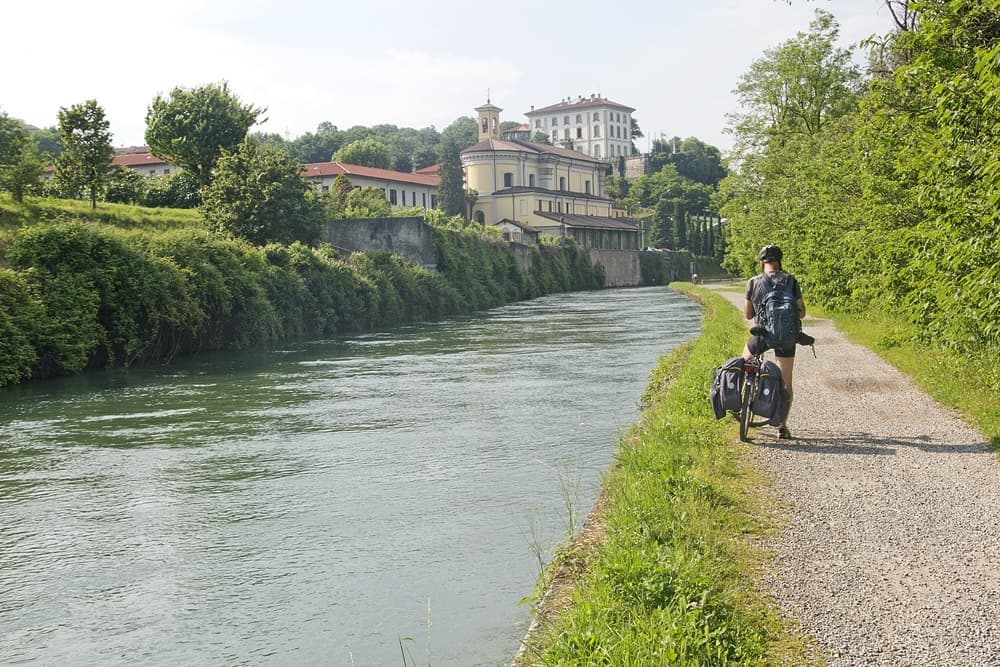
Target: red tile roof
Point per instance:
(581, 103)
(137, 160)
(318, 169)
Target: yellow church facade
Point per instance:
(520, 180)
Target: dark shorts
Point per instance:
(757, 345)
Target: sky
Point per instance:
(405, 63)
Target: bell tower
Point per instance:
(489, 121)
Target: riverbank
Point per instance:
(871, 530)
(669, 564)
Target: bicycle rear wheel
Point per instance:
(746, 413)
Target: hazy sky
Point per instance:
(411, 64)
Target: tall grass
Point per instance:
(673, 581)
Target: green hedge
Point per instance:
(82, 294)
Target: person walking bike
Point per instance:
(774, 302)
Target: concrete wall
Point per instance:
(621, 267)
(408, 237)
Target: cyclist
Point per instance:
(770, 265)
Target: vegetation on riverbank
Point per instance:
(123, 285)
(672, 581)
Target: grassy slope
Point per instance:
(37, 209)
(672, 581)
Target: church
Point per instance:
(549, 189)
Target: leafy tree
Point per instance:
(541, 138)
(798, 86)
(24, 175)
(124, 185)
(463, 132)
(260, 194)
(12, 138)
(193, 127)
(369, 152)
(177, 190)
(86, 139)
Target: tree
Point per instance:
(541, 138)
(451, 188)
(193, 127)
(369, 152)
(86, 159)
(260, 194)
(12, 138)
(797, 87)
(25, 173)
(463, 132)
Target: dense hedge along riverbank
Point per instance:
(79, 294)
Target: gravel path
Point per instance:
(891, 552)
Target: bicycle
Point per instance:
(752, 374)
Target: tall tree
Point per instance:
(451, 189)
(193, 126)
(797, 87)
(260, 194)
(86, 139)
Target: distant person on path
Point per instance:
(695, 278)
(771, 279)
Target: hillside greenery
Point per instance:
(121, 285)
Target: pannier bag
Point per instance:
(770, 401)
(725, 387)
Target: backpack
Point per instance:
(725, 388)
(771, 401)
(778, 313)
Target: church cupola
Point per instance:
(489, 121)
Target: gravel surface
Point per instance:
(891, 550)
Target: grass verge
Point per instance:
(673, 577)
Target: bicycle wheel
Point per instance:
(746, 413)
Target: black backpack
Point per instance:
(725, 388)
(778, 313)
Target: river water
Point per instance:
(338, 502)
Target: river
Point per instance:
(336, 502)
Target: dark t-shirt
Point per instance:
(756, 289)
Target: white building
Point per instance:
(593, 125)
(402, 189)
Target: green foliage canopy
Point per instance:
(193, 126)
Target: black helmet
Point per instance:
(769, 253)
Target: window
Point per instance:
(480, 217)
(562, 182)
(579, 118)
(565, 120)
(538, 122)
(597, 130)
(566, 134)
(579, 133)
(423, 199)
(559, 207)
(555, 121)
(508, 179)
(597, 151)
(531, 180)
(586, 187)
(597, 116)
(555, 136)
(392, 196)
(434, 200)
